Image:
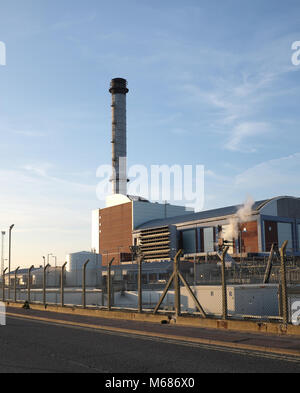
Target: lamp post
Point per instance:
(9, 258)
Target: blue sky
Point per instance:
(211, 83)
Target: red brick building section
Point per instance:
(115, 232)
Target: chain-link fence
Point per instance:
(213, 287)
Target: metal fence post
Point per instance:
(284, 299)
(29, 283)
(140, 293)
(83, 284)
(224, 286)
(3, 285)
(16, 272)
(62, 288)
(109, 284)
(177, 284)
(44, 284)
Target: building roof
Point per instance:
(23, 271)
(204, 215)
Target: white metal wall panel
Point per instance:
(147, 211)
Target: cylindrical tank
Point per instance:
(74, 268)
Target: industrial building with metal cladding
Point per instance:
(161, 229)
(235, 245)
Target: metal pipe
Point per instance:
(284, 299)
(15, 283)
(83, 284)
(109, 284)
(269, 266)
(29, 283)
(62, 287)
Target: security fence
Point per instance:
(263, 289)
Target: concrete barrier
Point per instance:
(211, 323)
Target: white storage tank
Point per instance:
(74, 268)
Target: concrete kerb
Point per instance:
(234, 325)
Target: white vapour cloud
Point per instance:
(243, 213)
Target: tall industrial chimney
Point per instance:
(118, 90)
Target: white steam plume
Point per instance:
(243, 213)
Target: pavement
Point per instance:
(265, 343)
(42, 342)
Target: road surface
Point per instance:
(31, 346)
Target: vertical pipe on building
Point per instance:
(118, 90)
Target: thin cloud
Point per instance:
(242, 132)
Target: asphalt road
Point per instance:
(28, 346)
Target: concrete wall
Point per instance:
(249, 300)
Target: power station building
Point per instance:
(161, 229)
(114, 225)
(271, 221)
